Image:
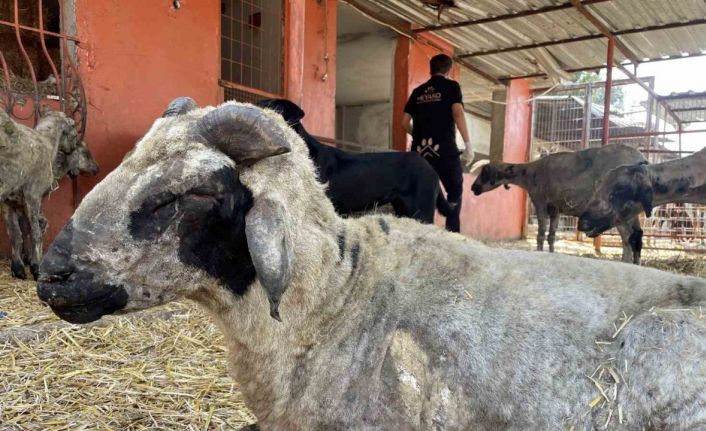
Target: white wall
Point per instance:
(365, 54)
(479, 130)
(368, 125)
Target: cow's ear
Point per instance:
(290, 111)
(644, 196)
(245, 133)
(270, 249)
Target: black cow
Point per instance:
(362, 182)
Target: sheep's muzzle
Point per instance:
(75, 295)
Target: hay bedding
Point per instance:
(160, 369)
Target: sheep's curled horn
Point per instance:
(244, 133)
(247, 134)
(179, 106)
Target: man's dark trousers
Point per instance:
(451, 174)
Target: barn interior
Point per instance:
(350, 64)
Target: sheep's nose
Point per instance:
(57, 264)
(476, 189)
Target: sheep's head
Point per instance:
(174, 217)
(80, 161)
(58, 124)
(492, 175)
(619, 197)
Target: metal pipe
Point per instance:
(32, 29)
(8, 82)
(29, 63)
(643, 134)
(46, 52)
(608, 89)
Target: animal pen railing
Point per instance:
(38, 68)
(571, 118)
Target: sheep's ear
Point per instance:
(644, 196)
(270, 249)
(245, 133)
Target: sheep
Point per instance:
(626, 191)
(377, 322)
(563, 183)
(362, 182)
(32, 160)
(79, 162)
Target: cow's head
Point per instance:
(619, 197)
(492, 175)
(175, 217)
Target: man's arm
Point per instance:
(407, 123)
(460, 120)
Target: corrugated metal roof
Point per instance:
(566, 23)
(690, 107)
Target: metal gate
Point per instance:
(571, 118)
(38, 61)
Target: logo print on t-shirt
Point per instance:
(427, 149)
(430, 95)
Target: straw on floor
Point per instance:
(160, 369)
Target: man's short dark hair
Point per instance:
(440, 64)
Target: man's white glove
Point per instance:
(468, 155)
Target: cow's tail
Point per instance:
(445, 208)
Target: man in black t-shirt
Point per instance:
(431, 116)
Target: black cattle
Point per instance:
(362, 182)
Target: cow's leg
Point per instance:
(597, 244)
(541, 230)
(553, 225)
(33, 210)
(635, 241)
(626, 231)
(15, 233)
(26, 237)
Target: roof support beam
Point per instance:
(521, 14)
(598, 67)
(365, 10)
(700, 21)
(693, 109)
(605, 30)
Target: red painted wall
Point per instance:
(317, 76)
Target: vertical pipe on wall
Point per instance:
(608, 88)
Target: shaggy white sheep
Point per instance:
(29, 159)
(387, 324)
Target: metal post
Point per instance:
(587, 105)
(655, 139)
(648, 120)
(608, 88)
